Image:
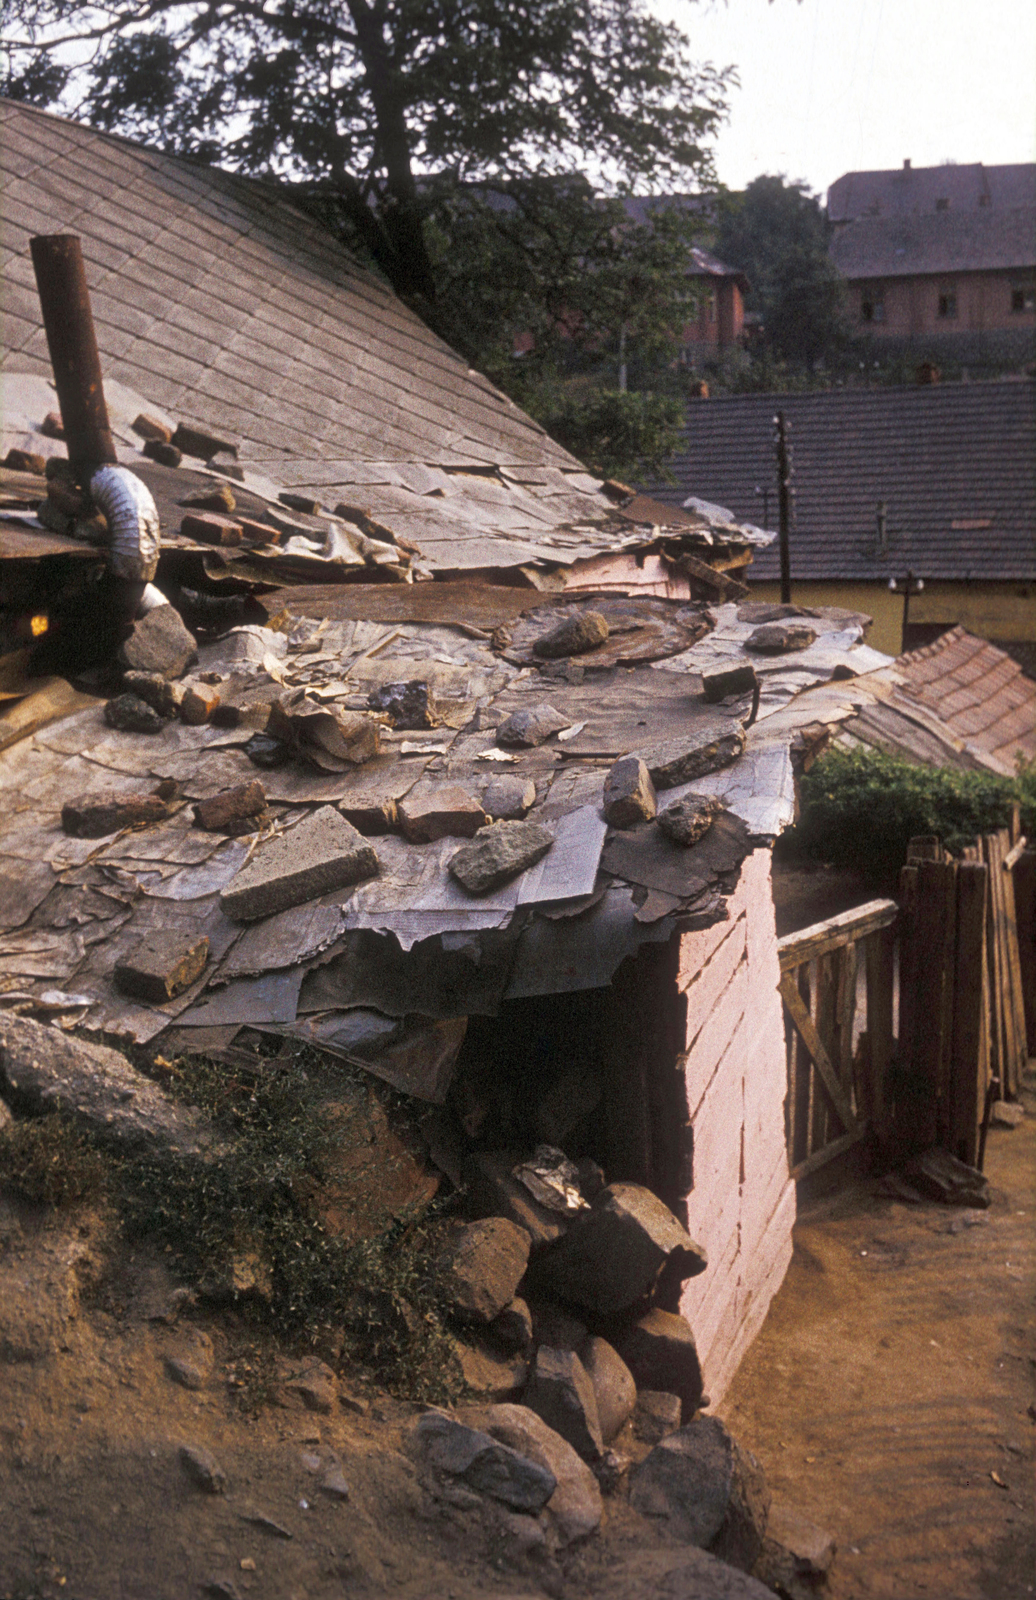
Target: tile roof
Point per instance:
(937, 242)
(978, 690)
(902, 191)
(955, 463)
(220, 304)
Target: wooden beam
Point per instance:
(837, 1147)
(970, 1055)
(847, 928)
(814, 1044)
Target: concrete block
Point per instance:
(322, 853)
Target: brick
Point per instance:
(195, 442)
(629, 794)
(197, 704)
(146, 427)
(321, 853)
(259, 532)
(300, 502)
(440, 811)
(212, 528)
(92, 816)
(52, 426)
(161, 966)
(225, 812)
(219, 499)
(26, 461)
(372, 815)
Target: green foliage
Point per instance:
(377, 1294)
(50, 1162)
(776, 233)
(356, 97)
(617, 434)
(861, 807)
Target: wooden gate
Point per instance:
(834, 976)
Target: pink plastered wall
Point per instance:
(742, 1206)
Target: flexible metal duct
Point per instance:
(132, 517)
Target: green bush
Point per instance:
(50, 1162)
(861, 808)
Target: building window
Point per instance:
(942, 205)
(948, 304)
(1023, 299)
(872, 304)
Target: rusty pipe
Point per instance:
(57, 260)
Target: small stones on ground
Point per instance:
(657, 1415)
(525, 729)
(333, 1484)
(203, 1469)
(508, 799)
(158, 691)
(309, 1381)
(614, 1251)
(160, 643)
(92, 816)
(482, 1266)
(439, 811)
(1007, 1113)
(660, 1351)
(560, 1391)
(484, 1463)
(499, 853)
(778, 638)
(613, 1385)
(688, 820)
(187, 1373)
(129, 714)
(321, 853)
(574, 636)
(233, 811)
(259, 1519)
(629, 794)
(717, 686)
(161, 966)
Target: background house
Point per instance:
(940, 481)
(940, 260)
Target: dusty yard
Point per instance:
(890, 1393)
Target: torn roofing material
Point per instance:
(352, 960)
(218, 304)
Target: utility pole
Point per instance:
(784, 501)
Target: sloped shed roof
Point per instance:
(937, 242)
(978, 690)
(902, 191)
(955, 463)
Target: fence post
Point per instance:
(970, 1061)
(935, 945)
(879, 957)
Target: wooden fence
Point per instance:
(905, 1022)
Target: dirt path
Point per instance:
(889, 1394)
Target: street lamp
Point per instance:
(906, 587)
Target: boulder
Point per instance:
(778, 638)
(614, 1388)
(629, 794)
(485, 1463)
(937, 1175)
(159, 643)
(572, 637)
(574, 1509)
(482, 1266)
(525, 729)
(321, 853)
(512, 1329)
(129, 714)
(553, 1326)
(657, 1415)
(707, 1491)
(494, 1191)
(688, 820)
(560, 1391)
(508, 799)
(44, 1069)
(488, 1374)
(660, 1352)
(796, 1554)
(613, 1252)
(499, 853)
(674, 1574)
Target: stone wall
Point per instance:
(742, 1205)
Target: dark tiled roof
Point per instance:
(219, 301)
(956, 464)
(903, 191)
(950, 241)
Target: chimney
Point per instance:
(906, 164)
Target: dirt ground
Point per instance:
(890, 1393)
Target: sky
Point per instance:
(833, 86)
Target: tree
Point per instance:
(777, 234)
(357, 99)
